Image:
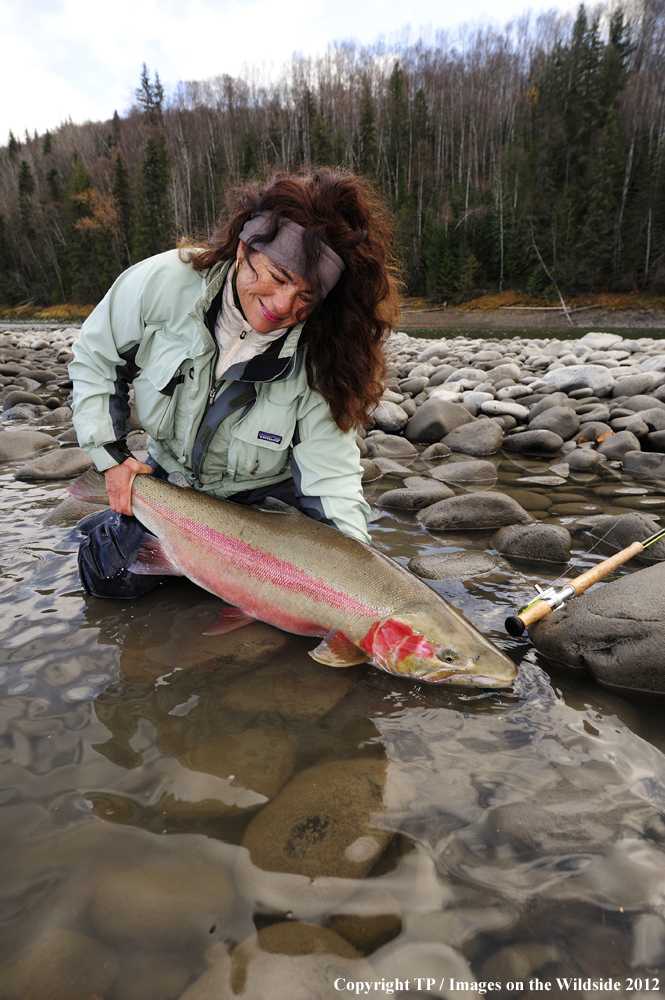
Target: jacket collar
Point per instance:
(275, 364)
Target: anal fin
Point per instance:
(338, 651)
(152, 559)
(228, 620)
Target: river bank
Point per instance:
(519, 318)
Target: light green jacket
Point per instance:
(151, 329)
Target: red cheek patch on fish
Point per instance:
(395, 639)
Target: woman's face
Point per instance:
(270, 294)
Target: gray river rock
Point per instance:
(455, 565)
(471, 473)
(474, 512)
(616, 632)
(415, 499)
(436, 418)
(18, 445)
(66, 463)
(482, 437)
(560, 419)
(539, 542)
(541, 442)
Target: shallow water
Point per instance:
(523, 828)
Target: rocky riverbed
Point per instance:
(206, 817)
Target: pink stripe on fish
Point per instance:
(261, 566)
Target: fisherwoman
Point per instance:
(253, 359)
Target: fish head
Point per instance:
(416, 644)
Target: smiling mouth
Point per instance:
(269, 315)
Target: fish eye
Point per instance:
(448, 655)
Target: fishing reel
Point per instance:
(516, 625)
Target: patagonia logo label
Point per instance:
(273, 438)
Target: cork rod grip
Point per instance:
(534, 613)
(596, 573)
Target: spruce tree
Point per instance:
(153, 222)
(47, 143)
(322, 147)
(368, 149)
(122, 194)
(398, 134)
(26, 189)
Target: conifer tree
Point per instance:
(368, 149)
(122, 194)
(26, 189)
(153, 222)
(47, 143)
(322, 147)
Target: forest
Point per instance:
(529, 158)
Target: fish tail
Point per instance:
(91, 486)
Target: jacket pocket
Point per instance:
(157, 390)
(260, 443)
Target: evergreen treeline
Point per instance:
(532, 158)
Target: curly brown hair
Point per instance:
(344, 332)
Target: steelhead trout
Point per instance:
(275, 564)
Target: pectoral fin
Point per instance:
(152, 559)
(338, 651)
(229, 619)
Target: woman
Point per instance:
(253, 360)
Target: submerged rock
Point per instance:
(18, 445)
(616, 631)
(475, 512)
(308, 847)
(415, 499)
(62, 464)
(454, 565)
(285, 961)
(59, 964)
(162, 906)
(465, 473)
(541, 542)
(539, 442)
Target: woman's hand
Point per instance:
(119, 481)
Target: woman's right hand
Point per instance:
(119, 481)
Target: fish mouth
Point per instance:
(454, 677)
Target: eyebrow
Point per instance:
(288, 275)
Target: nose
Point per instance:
(283, 300)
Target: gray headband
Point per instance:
(287, 249)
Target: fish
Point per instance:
(274, 564)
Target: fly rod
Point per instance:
(550, 599)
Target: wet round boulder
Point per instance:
(389, 417)
(560, 419)
(482, 437)
(18, 396)
(389, 446)
(436, 418)
(583, 460)
(474, 512)
(615, 447)
(640, 463)
(19, 445)
(415, 499)
(616, 631)
(534, 542)
(539, 442)
(454, 565)
(62, 464)
(466, 473)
